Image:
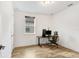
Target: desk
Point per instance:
(40, 37)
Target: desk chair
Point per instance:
(54, 39)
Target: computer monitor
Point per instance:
(48, 32)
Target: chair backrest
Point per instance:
(55, 36)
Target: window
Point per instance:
(29, 24)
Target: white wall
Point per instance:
(21, 39)
(6, 11)
(67, 23)
(0, 30)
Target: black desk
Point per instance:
(40, 37)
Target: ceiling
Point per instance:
(37, 7)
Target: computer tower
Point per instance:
(43, 32)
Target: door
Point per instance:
(7, 28)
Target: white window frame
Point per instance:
(33, 25)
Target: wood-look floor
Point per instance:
(44, 52)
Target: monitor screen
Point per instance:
(48, 32)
